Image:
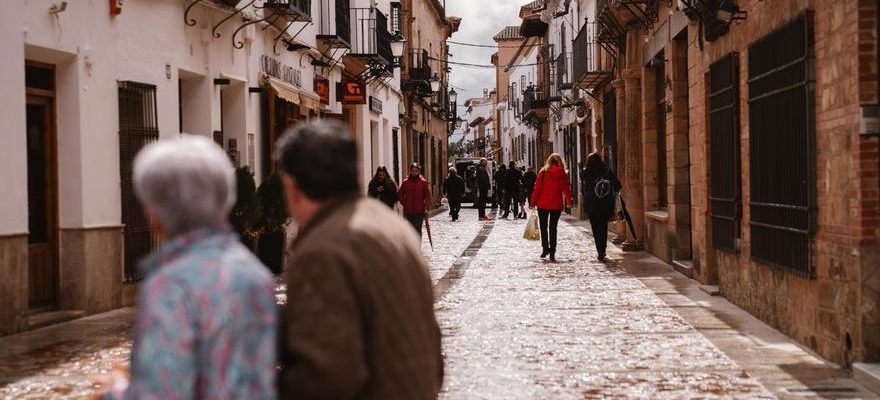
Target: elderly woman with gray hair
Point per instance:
(206, 319)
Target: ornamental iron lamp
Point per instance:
(728, 11)
(453, 96)
(435, 83)
(398, 43)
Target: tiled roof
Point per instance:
(533, 5)
(509, 32)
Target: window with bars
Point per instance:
(782, 147)
(725, 193)
(138, 127)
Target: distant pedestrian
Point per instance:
(512, 189)
(383, 188)
(415, 196)
(499, 176)
(600, 188)
(359, 321)
(206, 321)
(552, 192)
(529, 178)
(454, 192)
(483, 184)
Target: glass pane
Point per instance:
(37, 179)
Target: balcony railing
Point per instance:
(418, 66)
(590, 69)
(370, 37)
(535, 102)
(297, 10)
(335, 19)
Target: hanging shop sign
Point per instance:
(280, 70)
(375, 105)
(352, 92)
(322, 88)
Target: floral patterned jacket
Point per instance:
(206, 323)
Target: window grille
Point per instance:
(782, 147)
(138, 127)
(725, 193)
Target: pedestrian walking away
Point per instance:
(415, 194)
(529, 178)
(454, 186)
(483, 184)
(552, 192)
(206, 322)
(382, 187)
(600, 189)
(500, 187)
(359, 321)
(512, 189)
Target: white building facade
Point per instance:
(90, 83)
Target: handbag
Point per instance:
(617, 215)
(533, 229)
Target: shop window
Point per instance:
(782, 147)
(660, 96)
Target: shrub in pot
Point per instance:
(273, 222)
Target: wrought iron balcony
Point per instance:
(417, 66)
(590, 69)
(535, 103)
(371, 40)
(295, 10)
(335, 23)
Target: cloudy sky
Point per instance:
(481, 20)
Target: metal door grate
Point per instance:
(138, 126)
(783, 147)
(725, 195)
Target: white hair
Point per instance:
(188, 183)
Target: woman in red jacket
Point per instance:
(551, 188)
(414, 194)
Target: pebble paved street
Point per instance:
(514, 327)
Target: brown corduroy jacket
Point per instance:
(359, 321)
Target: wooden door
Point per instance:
(42, 204)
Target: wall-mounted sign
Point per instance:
(280, 70)
(375, 105)
(352, 92)
(322, 88)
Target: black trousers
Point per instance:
(481, 202)
(549, 223)
(506, 201)
(416, 220)
(454, 208)
(600, 233)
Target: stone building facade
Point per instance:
(746, 162)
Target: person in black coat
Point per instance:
(483, 184)
(512, 188)
(382, 187)
(600, 189)
(528, 180)
(454, 191)
(499, 176)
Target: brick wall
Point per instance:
(823, 313)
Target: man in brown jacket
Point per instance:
(359, 321)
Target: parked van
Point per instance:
(467, 169)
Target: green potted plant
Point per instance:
(245, 215)
(271, 229)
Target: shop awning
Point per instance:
(282, 89)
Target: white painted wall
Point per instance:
(13, 157)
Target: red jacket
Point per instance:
(550, 187)
(414, 194)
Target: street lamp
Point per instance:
(453, 96)
(435, 83)
(398, 43)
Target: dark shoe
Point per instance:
(545, 253)
(601, 258)
(552, 256)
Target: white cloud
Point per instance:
(481, 20)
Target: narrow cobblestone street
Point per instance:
(514, 326)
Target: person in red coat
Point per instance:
(414, 195)
(551, 193)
